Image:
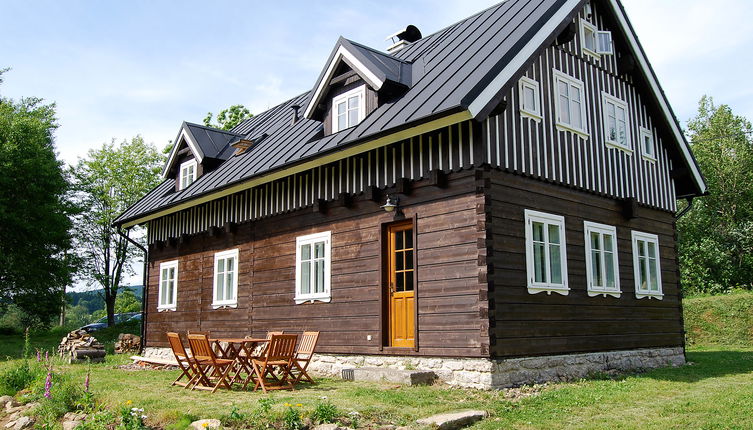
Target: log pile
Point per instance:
(127, 343)
(79, 346)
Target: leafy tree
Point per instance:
(228, 118)
(108, 181)
(35, 265)
(127, 302)
(716, 236)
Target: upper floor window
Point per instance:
(225, 291)
(348, 109)
(168, 286)
(595, 42)
(187, 173)
(546, 253)
(646, 267)
(312, 269)
(602, 272)
(570, 105)
(647, 144)
(530, 100)
(616, 122)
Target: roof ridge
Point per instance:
(206, 127)
(376, 51)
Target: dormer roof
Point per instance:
(204, 142)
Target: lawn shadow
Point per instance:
(706, 364)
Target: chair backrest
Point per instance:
(308, 343)
(200, 347)
(274, 333)
(177, 346)
(205, 333)
(281, 347)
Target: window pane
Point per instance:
(577, 119)
(353, 102)
(352, 117)
(554, 233)
(409, 260)
(220, 291)
(654, 285)
(555, 264)
(643, 274)
(529, 101)
(399, 240)
(170, 286)
(341, 108)
(588, 34)
(564, 110)
(341, 122)
(539, 262)
(305, 278)
(641, 249)
(399, 258)
(319, 250)
(229, 293)
(647, 146)
(319, 268)
(220, 265)
(651, 250)
(408, 281)
(409, 238)
(538, 231)
(609, 263)
(400, 282)
(230, 264)
(305, 252)
(608, 243)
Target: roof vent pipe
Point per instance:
(295, 114)
(403, 38)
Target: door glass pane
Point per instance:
(305, 277)
(399, 282)
(399, 257)
(409, 281)
(399, 240)
(556, 264)
(409, 260)
(409, 238)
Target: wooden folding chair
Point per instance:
(278, 356)
(303, 355)
(207, 365)
(185, 363)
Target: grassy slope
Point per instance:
(719, 320)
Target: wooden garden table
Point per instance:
(240, 350)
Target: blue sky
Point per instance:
(117, 69)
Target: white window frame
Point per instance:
(534, 113)
(644, 134)
(184, 167)
(571, 82)
(343, 98)
(602, 40)
(547, 219)
(311, 239)
(640, 292)
(603, 230)
(161, 307)
(607, 99)
(225, 255)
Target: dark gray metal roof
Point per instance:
(448, 68)
(212, 142)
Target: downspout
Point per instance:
(145, 287)
(687, 208)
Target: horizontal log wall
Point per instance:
(539, 324)
(537, 148)
(452, 307)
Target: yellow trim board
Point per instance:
(339, 155)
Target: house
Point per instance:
(495, 202)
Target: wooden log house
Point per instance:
(495, 201)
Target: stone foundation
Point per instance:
(487, 373)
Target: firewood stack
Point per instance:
(80, 347)
(127, 343)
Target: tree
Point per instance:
(35, 242)
(127, 302)
(716, 236)
(108, 181)
(228, 118)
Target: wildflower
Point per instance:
(128, 402)
(298, 405)
(39, 356)
(86, 383)
(143, 417)
(134, 409)
(287, 405)
(48, 385)
(205, 425)
(47, 356)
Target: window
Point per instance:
(647, 144)
(546, 259)
(225, 279)
(348, 109)
(595, 42)
(168, 286)
(646, 266)
(616, 122)
(530, 101)
(570, 105)
(312, 269)
(602, 271)
(187, 173)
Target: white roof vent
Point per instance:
(403, 38)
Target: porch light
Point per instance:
(391, 204)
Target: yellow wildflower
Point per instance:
(299, 405)
(205, 425)
(128, 402)
(287, 405)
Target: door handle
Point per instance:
(392, 288)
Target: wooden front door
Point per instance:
(400, 276)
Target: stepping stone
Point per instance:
(210, 425)
(453, 420)
(397, 376)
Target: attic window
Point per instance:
(187, 173)
(595, 42)
(348, 109)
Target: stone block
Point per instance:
(404, 377)
(453, 420)
(210, 424)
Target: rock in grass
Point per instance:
(4, 400)
(452, 420)
(23, 423)
(70, 425)
(210, 424)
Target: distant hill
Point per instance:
(94, 300)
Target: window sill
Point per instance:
(581, 133)
(228, 305)
(618, 147)
(535, 289)
(589, 53)
(594, 293)
(531, 115)
(649, 158)
(657, 296)
(318, 298)
(167, 308)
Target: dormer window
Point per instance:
(348, 109)
(187, 174)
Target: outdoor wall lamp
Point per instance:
(391, 203)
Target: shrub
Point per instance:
(19, 376)
(325, 412)
(291, 418)
(65, 394)
(100, 420)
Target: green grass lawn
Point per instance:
(715, 391)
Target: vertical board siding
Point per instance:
(537, 148)
(449, 149)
